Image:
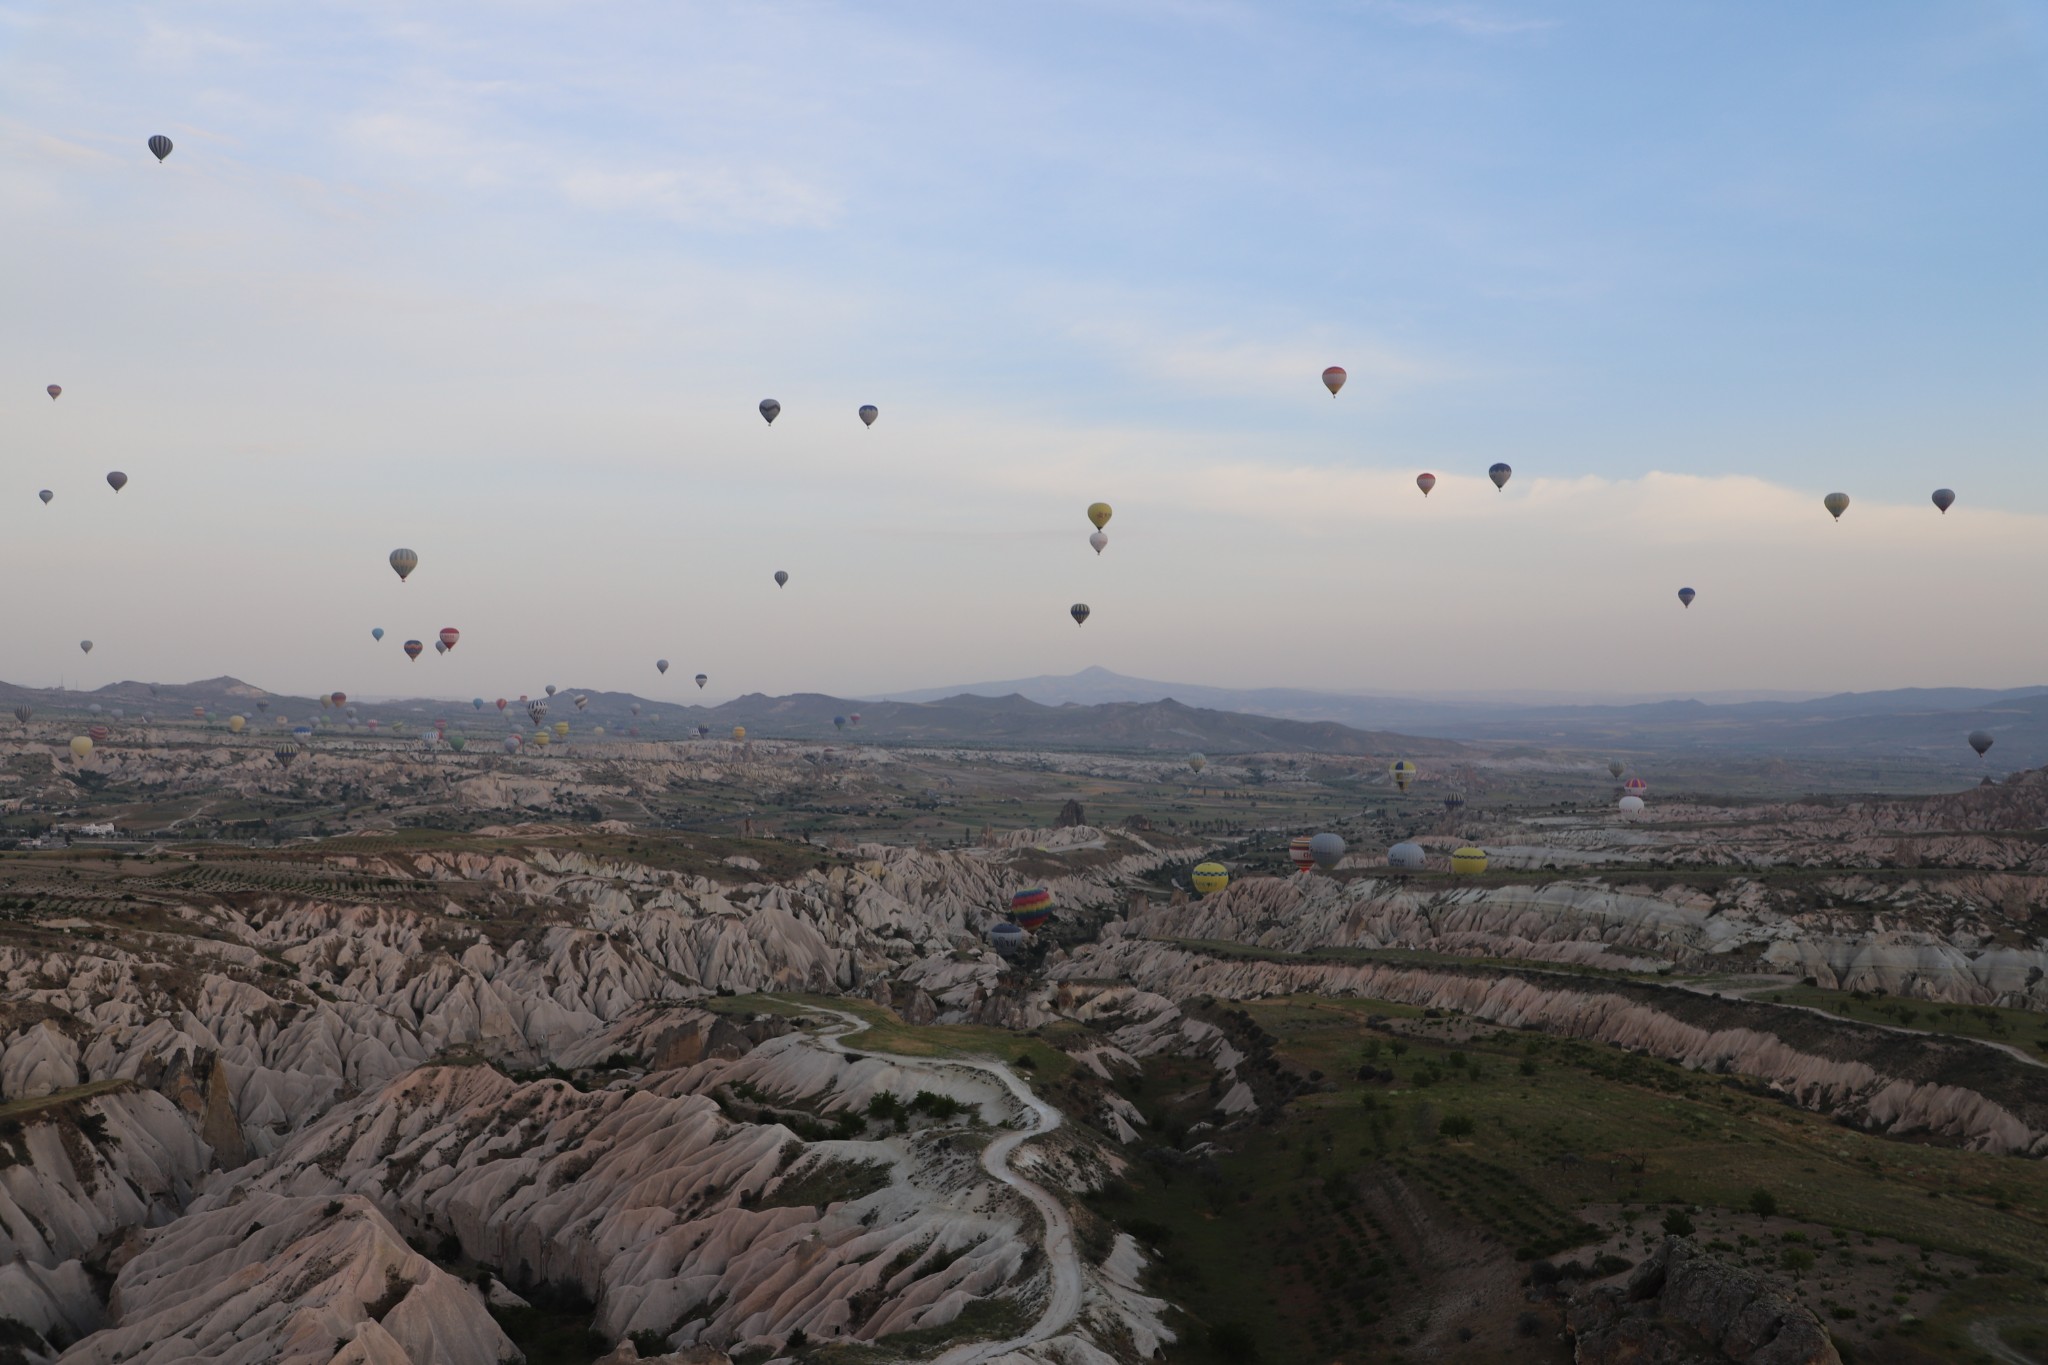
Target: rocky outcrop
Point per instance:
(1682, 1305)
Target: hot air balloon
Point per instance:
(839, 722)
(81, 748)
(199, 713)
(235, 724)
(781, 577)
(1403, 772)
(1209, 878)
(262, 706)
(93, 709)
(535, 710)
(1500, 474)
(1079, 611)
(511, 744)
(1631, 805)
(1407, 855)
(868, 413)
(739, 732)
(1197, 762)
(98, 734)
(440, 646)
(46, 495)
(403, 562)
(376, 632)
(1425, 482)
(1005, 937)
(476, 703)
(372, 723)
(337, 698)
(85, 645)
(853, 718)
(549, 689)
(1635, 786)
(24, 713)
(161, 146)
(53, 390)
(1327, 850)
(561, 729)
(1836, 503)
(413, 649)
(116, 480)
(542, 738)
(770, 409)
(703, 730)
(1981, 741)
(661, 665)
(703, 678)
(449, 635)
(501, 703)
(1333, 379)
(1099, 540)
(1944, 498)
(1031, 907)
(1298, 853)
(1469, 861)
(1685, 596)
(1099, 513)
(1617, 767)
(286, 752)
(457, 742)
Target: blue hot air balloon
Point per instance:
(376, 632)
(1685, 595)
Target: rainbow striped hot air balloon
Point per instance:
(1031, 907)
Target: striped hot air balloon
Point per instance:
(159, 147)
(1299, 854)
(1031, 907)
(1209, 878)
(1469, 860)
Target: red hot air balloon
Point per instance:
(53, 391)
(1299, 854)
(339, 699)
(99, 734)
(413, 649)
(501, 703)
(1425, 482)
(449, 635)
(1333, 379)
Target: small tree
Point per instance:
(1763, 1203)
(1677, 1223)
(1455, 1126)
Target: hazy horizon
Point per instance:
(504, 286)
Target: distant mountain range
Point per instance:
(1097, 709)
(1011, 722)
(1931, 722)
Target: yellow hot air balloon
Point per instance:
(739, 732)
(541, 737)
(235, 724)
(1098, 512)
(597, 732)
(1469, 860)
(81, 748)
(1210, 878)
(1404, 773)
(561, 729)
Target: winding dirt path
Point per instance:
(1063, 1303)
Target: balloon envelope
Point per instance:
(661, 665)
(1944, 498)
(1209, 878)
(781, 577)
(85, 645)
(1197, 762)
(376, 632)
(1617, 767)
(80, 746)
(1836, 503)
(868, 413)
(1099, 540)
(413, 649)
(1005, 936)
(449, 635)
(1425, 482)
(403, 562)
(1298, 853)
(1500, 474)
(1099, 513)
(1079, 611)
(46, 495)
(1327, 850)
(1635, 786)
(160, 146)
(1469, 860)
(1981, 741)
(1631, 805)
(1685, 596)
(53, 390)
(1407, 855)
(116, 480)
(703, 678)
(770, 409)
(1333, 379)
(1031, 907)
(235, 724)
(1403, 772)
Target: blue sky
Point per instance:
(503, 282)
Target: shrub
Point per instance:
(1455, 1126)
(1677, 1223)
(1763, 1203)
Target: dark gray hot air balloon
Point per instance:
(46, 495)
(1685, 596)
(1079, 611)
(1836, 503)
(781, 577)
(770, 410)
(117, 481)
(1980, 740)
(703, 678)
(53, 390)
(403, 562)
(661, 665)
(160, 145)
(1500, 474)
(1944, 498)
(1617, 767)
(868, 413)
